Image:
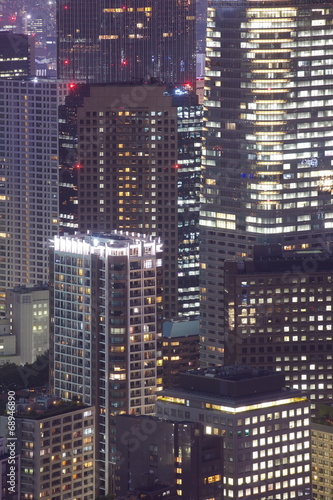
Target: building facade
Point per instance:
(322, 463)
(57, 453)
(29, 180)
(189, 114)
(106, 319)
(162, 194)
(279, 317)
(103, 42)
(127, 180)
(266, 429)
(267, 155)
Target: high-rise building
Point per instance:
(279, 317)
(17, 55)
(127, 178)
(179, 454)
(113, 41)
(267, 156)
(29, 179)
(265, 427)
(189, 123)
(106, 320)
(159, 143)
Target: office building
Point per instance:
(116, 42)
(279, 316)
(321, 447)
(17, 55)
(106, 318)
(267, 155)
(57, 452)
(189, 114)
(179, 454)
(180, 349)
(266, 428)
(29, 180)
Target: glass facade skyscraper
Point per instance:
(267, 154)
(117, 41)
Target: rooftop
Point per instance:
(233, 382)
(272, 259)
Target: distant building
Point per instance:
(279, 316)
(266, 429)
(17, 55)
(322, 458)
(106, 319)
(29, 179)
(177, 454)
(28, 312)
(180, 350)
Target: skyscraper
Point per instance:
(116, 41)
(29, 179)
(127, 180)
(267, 157)
(106, 322)
(137, 168)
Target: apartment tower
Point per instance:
(267, 154)
(29, 179)
(105, 309)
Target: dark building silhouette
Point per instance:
(17, 55)
(113, 41)
(279, 316)
(178, 454)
